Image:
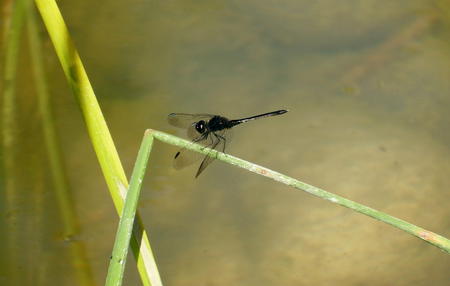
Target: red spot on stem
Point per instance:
(427, 235)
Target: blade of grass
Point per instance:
(98, 132)
(56, 166)
(426, 235)
(122, 242)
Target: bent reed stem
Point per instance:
(426, 235)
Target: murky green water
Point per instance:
(367, 86)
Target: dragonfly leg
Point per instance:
(196, 140)
(220, 137)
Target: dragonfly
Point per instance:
(212, 131)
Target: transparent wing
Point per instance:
(184, 157)
(219, 144)
(192, 133)
(217, 141)
(185, 120)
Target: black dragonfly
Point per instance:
(210, 130)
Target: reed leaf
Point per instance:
(98, 131)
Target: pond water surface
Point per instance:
(367, 88)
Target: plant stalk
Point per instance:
(426, 235)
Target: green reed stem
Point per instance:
(98, 132)
(426, 235)
(120, 250)
(118, 258)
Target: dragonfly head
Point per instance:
(200, 126)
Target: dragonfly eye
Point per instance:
(200, 126)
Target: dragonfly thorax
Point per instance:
(218, 123)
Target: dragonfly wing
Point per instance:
(185, 157)
(219, 143)
(185, 120)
